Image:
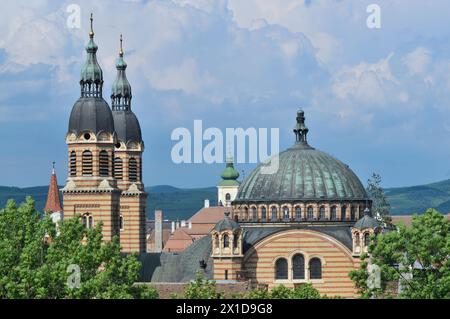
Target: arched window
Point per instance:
(281, 269)
(226, 241)
(118, 168)
(263, 213)
(227, 196)
(132, 169)
(356, 239)
(274, 214)
(366, 239)
(236, 218)
(315, 268)
(333, 213)
(353, 213)
(87, 163)
(88, 221)
(235, 240)
(298, 267)
(73, 163)
(343, 210)
(104, 163)
(121, 222)
(286, 213)
(322, 213)
(254, 214)
(310, 213)
(298, 213)
(245, 213)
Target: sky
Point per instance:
(378, 99)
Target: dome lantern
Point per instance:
(121, 88)
(91, 79)
(300, 129)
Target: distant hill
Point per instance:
(182, 203)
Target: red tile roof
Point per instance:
(53, 202)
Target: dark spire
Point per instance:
(91, 80)
(300, 128)
(121, 88)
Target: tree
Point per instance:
(380, 204)
(418, 258)
(37, 263)
(202, 288)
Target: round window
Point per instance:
(117, 145)
(87, 136)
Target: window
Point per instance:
(366, 239)
(286, 213)
(274, 213)
(298, 213)
(298, 267)
(227, 196)
(254, 214)
(226, 274)
(315, 268)
(121, 222)
(235, 240)
(87, 163)
(333, 213)
(322, 213)
(132, 170)
(310, 212)
(88, 221)
(263, 214)
(236, 218)
(118, 168)
(104, 163)
(343, 210)
(352, 213)
(356, 239)
(281, 269)
(246, 213)
(73, 163)
(226, 241)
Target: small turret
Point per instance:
(228, 187)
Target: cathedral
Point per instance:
(105, 147)
(308, 222)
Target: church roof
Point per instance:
(304, 173)
(53, 203)
(367, 221)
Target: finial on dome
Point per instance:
(300, 129)
(121, 49)
(91, 33)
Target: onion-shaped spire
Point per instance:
(121, 88)
(229, 174)
(91, 80)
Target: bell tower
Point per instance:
(128, 151)
(91, 189)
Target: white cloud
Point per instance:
(417, 61)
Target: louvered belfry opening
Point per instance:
(132, 170)
(104, 163)
(73, 163)
(87, 163)
(118, 168)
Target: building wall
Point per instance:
(102, 206)
(222, 192)
(132, 210)
(232, 265)
(337, 261)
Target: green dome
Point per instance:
(229, 174)
(304, 173)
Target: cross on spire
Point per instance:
(91, 33)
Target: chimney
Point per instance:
(190, 225)
(206, 203)
(173, 227)
(183, 223)
(158, 231)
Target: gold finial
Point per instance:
(91, 33)
(121, 49)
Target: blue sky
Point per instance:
(377, 99)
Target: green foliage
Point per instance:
(422, 251)
(303, 291)
(202, 288)
(32, 266)
(380, 204)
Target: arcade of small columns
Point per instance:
(361, 240)
(301, 211)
